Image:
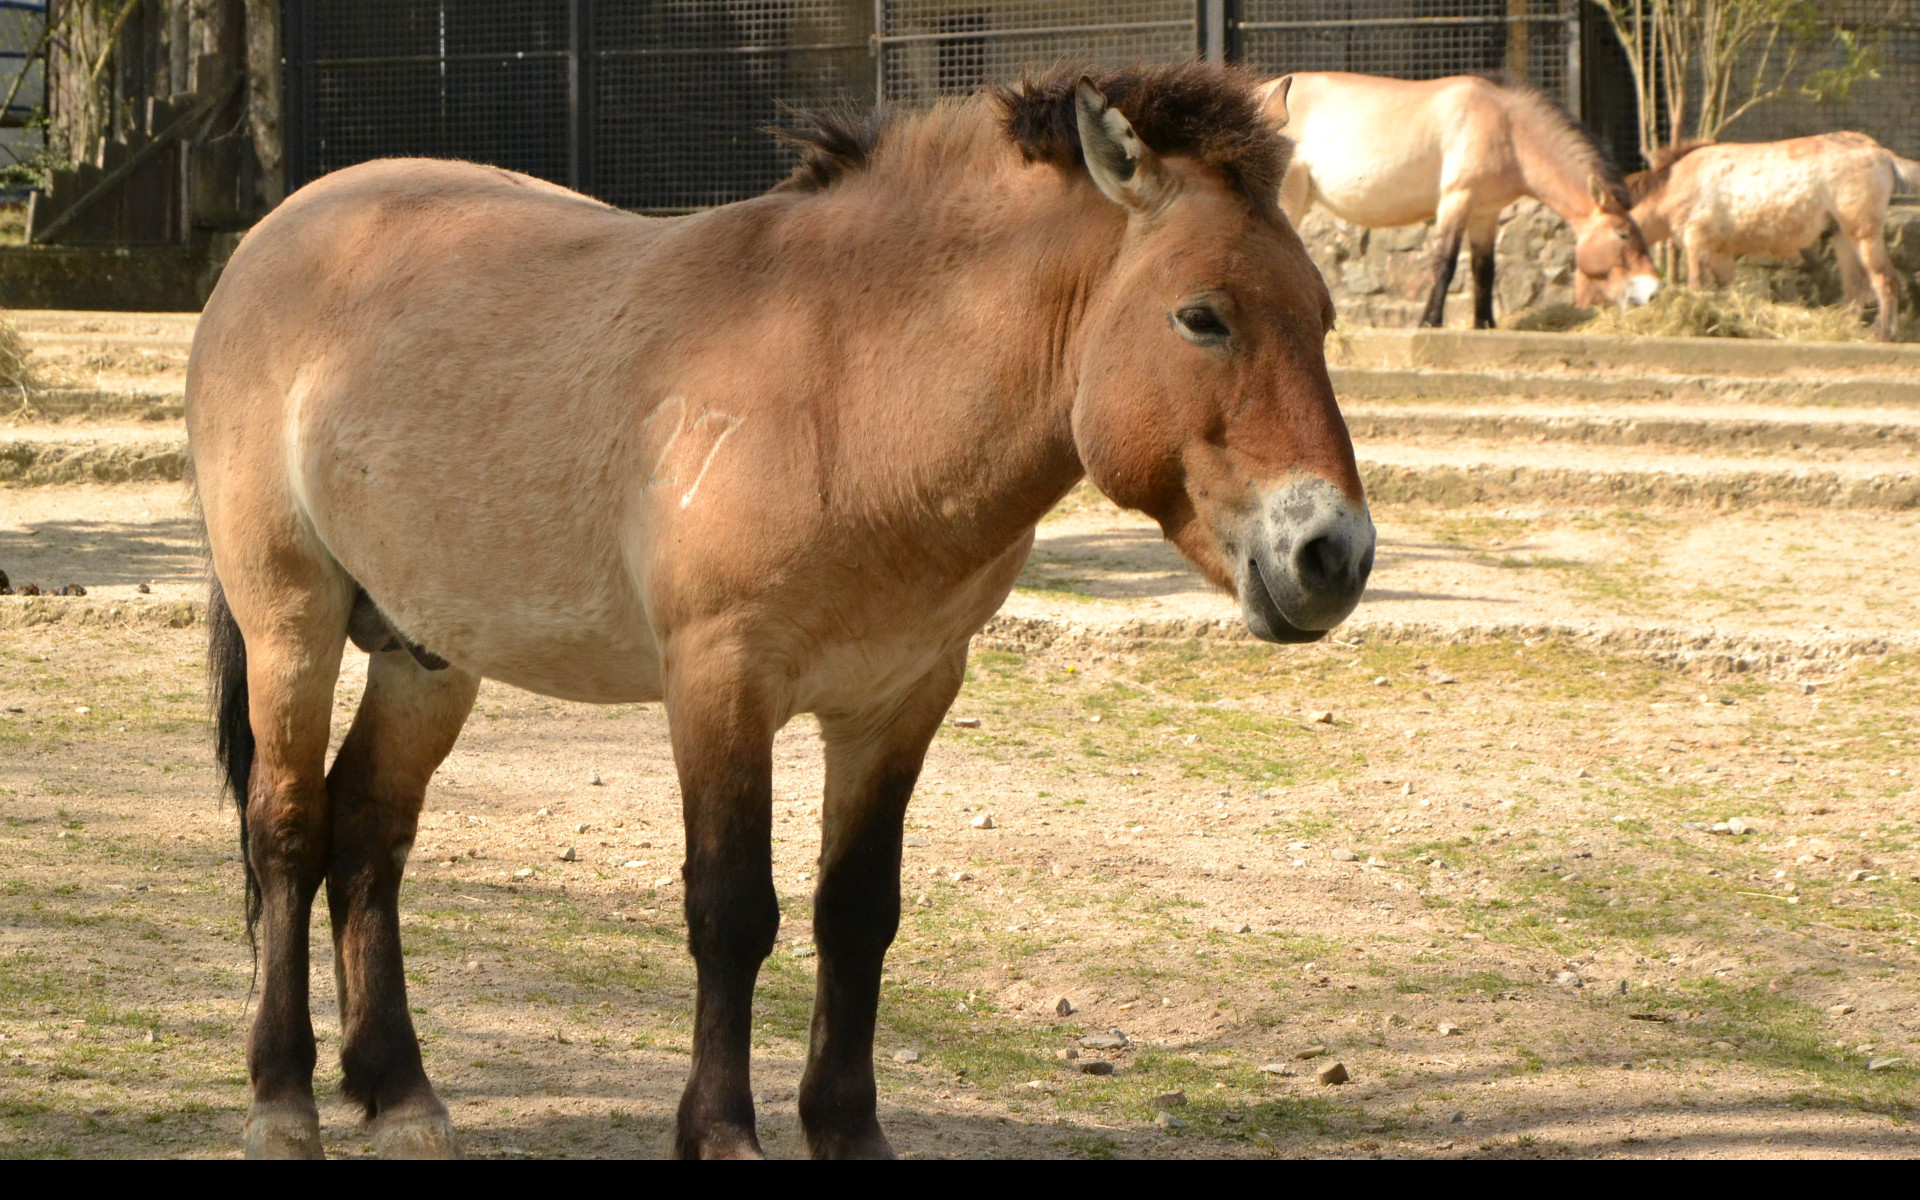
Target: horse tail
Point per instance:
(232, 724)
(1906, 173)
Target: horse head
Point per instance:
(1203, 397)
(1611, 257)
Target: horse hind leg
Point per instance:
(1865, 264)
(405, 726)
(1448, 232)
(1481, 237)
(871, 770)
(278, 633)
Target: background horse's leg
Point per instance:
(405, 726)
(294, 629)
(873, 760)
(723, 746)
(1481, 236)
(1448, 232)
(1865, 251)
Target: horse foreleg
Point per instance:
(405, 726)
(1481, 236)
(723, 748)
(293, 657)
(1448, 232)
(872, 763)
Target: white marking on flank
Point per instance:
(732, 423)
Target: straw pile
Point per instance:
(16, 365)
(1683, 312)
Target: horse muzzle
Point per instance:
(1305, 561)
(1640, 290)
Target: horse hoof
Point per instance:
(868, 1143)
(278, 1133)
(426, 1135)
(726, 1143)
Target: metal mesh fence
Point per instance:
(933, 48)
(1884, 108)
(653, 106)
(1531, 40)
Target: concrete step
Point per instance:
(1869, 389)
(1714, 429)
(1500, 350)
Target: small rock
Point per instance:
(1243, 927)
(1345, 856)
(1446, 1029)
(83, 710)
(967, 722)
(1740, 826)
(1320, 718)
(1582, 773)
(1062, 1006)
(1333, 1073)
(983, 821)
(1884, 1064)
(1104, 1041)
(1094, 1066)
(143, 589)
(1067, 1055)
(1839, 1010)
(634, 862)
(914, 842)
(27, 589)
(542, 812)
(153, 1037)
(1458, 1118)
(596, 781)
(569, 855)
(1169, 1121)
(1566, 979)
(923, 901)
(1274, 1068)
(1172, 1099)
(1314, 1051)
(1854, 877)
(803, 951)
(906, 1056)
(523, 873)
(1722, 827)
(663, 881)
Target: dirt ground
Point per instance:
(1489, 887)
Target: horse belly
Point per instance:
(1773, 212)
(1378, 189)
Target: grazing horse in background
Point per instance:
(1383, 152)
(782, 456)
(1718, 200)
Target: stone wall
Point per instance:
(1379, 277)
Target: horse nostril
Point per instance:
(1321, 563)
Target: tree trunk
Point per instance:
(264, 100)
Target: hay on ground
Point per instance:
(16, 360)
(1684, 312)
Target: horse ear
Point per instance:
(1603, 197)
(1123, 168)
(1275, 96)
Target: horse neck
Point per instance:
(994, 271)
(1551, 173)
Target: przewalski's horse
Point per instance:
(1383, 152)
(782, 456)
(1718, 200)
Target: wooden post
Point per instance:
(264, 91)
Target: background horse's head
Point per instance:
(1611, 259)
(1203, 396)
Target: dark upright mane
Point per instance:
(1195, 109)
(1642, 184)
(1558, 126)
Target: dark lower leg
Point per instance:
(1483, 286)
(856, 914)
(733, 916)
(1446, 259)
(287, 849)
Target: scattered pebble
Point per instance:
(1104, 1041)
(1067, 1055)
(1854, 877)
(1320, 718)
(1274, 1068)
(804, 952)
(1345, 856)
(1094, 1066)
(1446, 1029)
(967, 722)
(1334, 1073)
(1884, 1064)
(1062, 1006)
(143, 589)
(1169, 1121)
(983, 821)
(569, 855)
(1740, 826)
(1173, 1099)
(906, 1056)
(1839, 1010)
(1314, 1051)
(1458, 1118)
(915, 842)
(1566, 979)
(523, 873)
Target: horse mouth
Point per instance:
(1262, 613)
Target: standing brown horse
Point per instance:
(1383, 152)
(783, 456)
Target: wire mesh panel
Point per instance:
(1531, 40)
(1883, 107)
(933, 48)
(448, 79)
(682, 92)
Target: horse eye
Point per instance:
(1199, 323)
(1622, 234)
